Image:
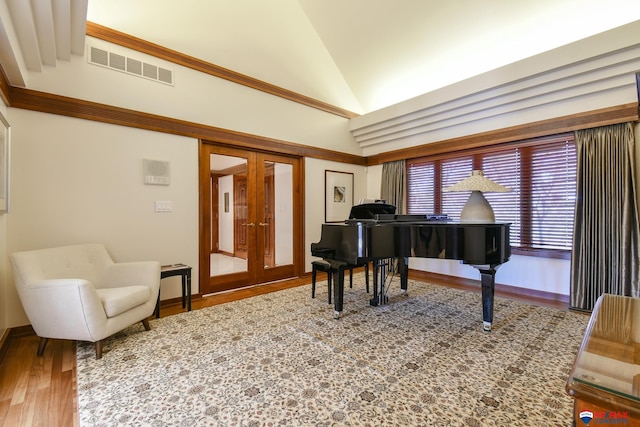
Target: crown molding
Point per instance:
(140, 45)
(602, 117)
(572, 81)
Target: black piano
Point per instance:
(374, 233)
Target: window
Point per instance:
(540, 206)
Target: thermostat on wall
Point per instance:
(156, 172)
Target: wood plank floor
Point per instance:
(41, 391)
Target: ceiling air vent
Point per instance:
(128, 65)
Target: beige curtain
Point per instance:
(393, 184)
(605, 245)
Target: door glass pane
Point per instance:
(229, 229)
(277, 221)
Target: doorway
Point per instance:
(251, 217)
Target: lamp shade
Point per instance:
(478, 182)
(477, 208)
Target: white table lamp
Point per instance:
(477, 208)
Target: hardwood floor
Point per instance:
(41, 391)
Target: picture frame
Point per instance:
(338, 189)
(5, 163)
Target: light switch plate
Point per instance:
(164, 206)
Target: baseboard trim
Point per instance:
(506, 291)
(9, 334)
(4, 344)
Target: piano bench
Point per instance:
(326, 267)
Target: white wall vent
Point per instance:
(128, 65)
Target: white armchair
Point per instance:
(78, 293)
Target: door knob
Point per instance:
(262, 224)
(249, 225)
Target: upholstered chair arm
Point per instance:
(65, 309)
(145, 273)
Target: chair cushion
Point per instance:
(119, 300)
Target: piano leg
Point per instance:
(403, 270)
(338, 291)
(488, 280)
(376, 267)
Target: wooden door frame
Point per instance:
(205, 223)
(269, 243)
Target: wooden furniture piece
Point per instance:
(605, 378)
(326, 267)
(177, 270)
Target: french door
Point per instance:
(251, 210)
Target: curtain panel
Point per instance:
(393, 186)
(605, 244)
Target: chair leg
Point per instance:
(42, 345)
(98, 349)
(145, 323)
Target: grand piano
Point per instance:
(374, 233)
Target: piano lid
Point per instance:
(371, 210)
(382, 212)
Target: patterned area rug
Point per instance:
(281, 359)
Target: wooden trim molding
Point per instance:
(55, 104)
(589, 119)
(5, 88)
(530, 295)
(11, 333)
(4, 344)
(140, 45)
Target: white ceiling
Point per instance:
(361, 55)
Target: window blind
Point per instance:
(541, 174)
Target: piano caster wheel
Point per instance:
(373, 302)
(486, 326)
(336, 314)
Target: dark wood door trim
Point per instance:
(213, 284)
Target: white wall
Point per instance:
(541, 274)
(196, 97)
(314, 197)
(76, 181)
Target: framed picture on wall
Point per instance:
(338, 189)
(5, 143)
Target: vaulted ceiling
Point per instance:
(360, 55)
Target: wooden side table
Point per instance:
(605, 378)
(177, 270)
